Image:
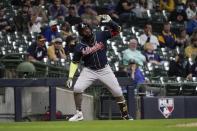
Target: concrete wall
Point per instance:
(36, 101)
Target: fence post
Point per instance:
(18, 103)
(52, 102)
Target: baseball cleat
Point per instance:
(77, 117)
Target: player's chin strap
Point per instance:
(72, 70)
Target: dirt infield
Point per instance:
(193, 124)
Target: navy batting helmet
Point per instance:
(81, 27)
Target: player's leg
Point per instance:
(85, 79)
(108, 78)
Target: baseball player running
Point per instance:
(92, 51)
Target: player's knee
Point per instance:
(117, 92)
(78, 90)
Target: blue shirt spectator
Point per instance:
(51, 31)
(135, 73)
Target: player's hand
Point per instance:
(105, 18)
(69, 83)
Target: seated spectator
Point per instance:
(39, 11)
(133, 53)
(141, 8)
(193, 70)
(179, 15)
(147, 36)
(35, 24)
(23, 18)
(150, 55)
(50, 32)
(57, 10)
(191, 50)
(191, 9)
(192, 25)
(67, 3)
(73, 18)
(182, 39)
(65, 30)
(167, 5)
(38, 50)
(135, 73)
(82, 4)
(89, 16)
(56, 51)
(5, 25)
(124, 10)
(167, 38)
(176, 67)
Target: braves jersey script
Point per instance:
(94, 56)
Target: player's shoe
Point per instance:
(77, 117)
(127, 117)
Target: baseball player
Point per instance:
(92, 51)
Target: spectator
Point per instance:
(141, 8)
(38, 17)
(23, 18)
(57, 10)
(191, 10)
(133, 53)
(147, 36)
(124, 10)
(182, 39)
(89, 16)
(192, 25)
(35, 24)
(167, 5)
(150, 55)
(82, 5)
(50, 32)
(38, 50)
(193, 70)
(56, 51)
(65, 30)
(179, 14)
(66, 3)
(135, 73)
(73, 18)
(191, 50)
(176, 67)
(5, 25)
(39, 11)
(167, 38)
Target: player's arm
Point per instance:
(72, 69)
(115, 28)
(107, 21)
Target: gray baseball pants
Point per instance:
(105, 75)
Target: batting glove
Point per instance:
(69, 83)
(105, 18)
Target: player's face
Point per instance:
(87, 32)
